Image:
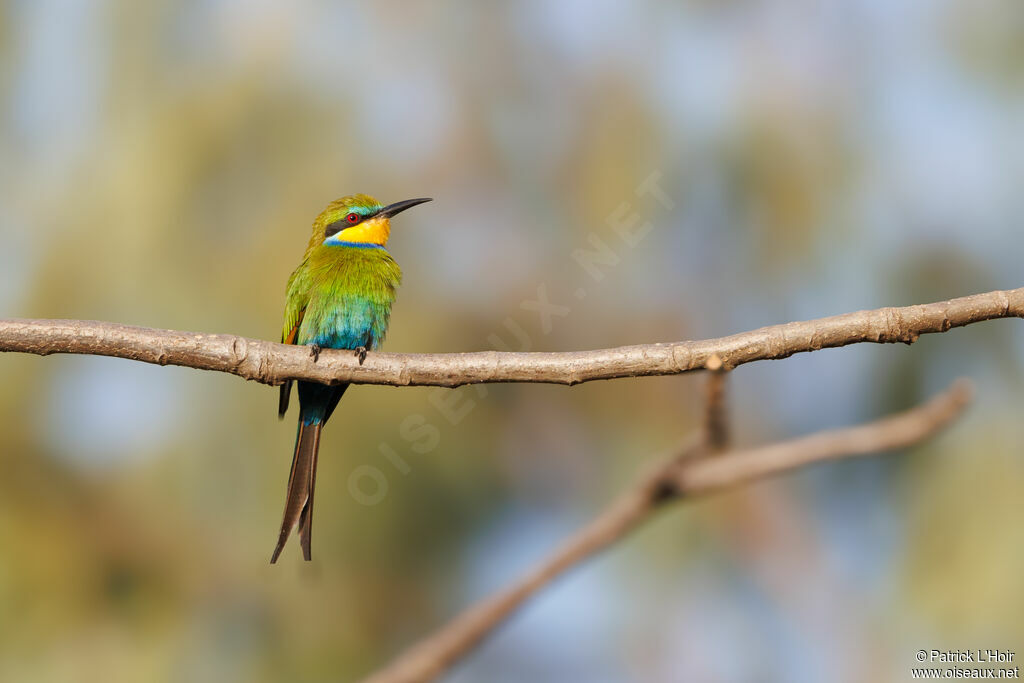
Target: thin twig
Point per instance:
(272, 363)
(890, 433)
(680, 477)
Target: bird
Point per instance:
(339, 297)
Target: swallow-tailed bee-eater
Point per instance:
(339, 297)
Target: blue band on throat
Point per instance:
(357, 245)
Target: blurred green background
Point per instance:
(161, 165)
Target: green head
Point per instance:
(357, 220)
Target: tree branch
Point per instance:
(272, 363)
(682, 476)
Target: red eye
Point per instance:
(352, 218)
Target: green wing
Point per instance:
(294, 311)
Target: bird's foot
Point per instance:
(361, 354)
(314, 351)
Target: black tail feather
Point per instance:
(282, 402)
(298, 506)
(306, 518)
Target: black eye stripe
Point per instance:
(342, 223)
(335, 227)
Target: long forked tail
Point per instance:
(298, 505)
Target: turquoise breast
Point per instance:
(345, 322)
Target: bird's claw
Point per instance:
(314, 351)
(361, 354)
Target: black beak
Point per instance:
(398, 207)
